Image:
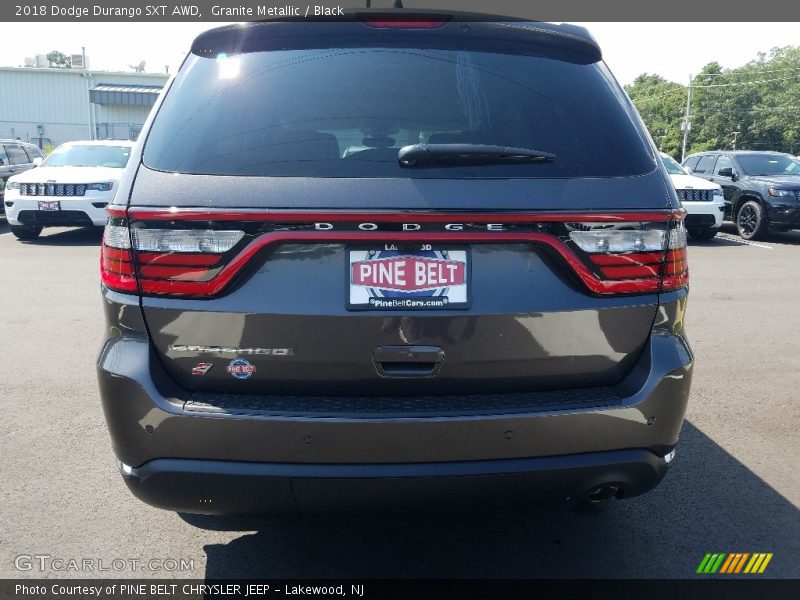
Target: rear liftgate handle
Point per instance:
(408, 361)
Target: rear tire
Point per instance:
(751, 222)
(26, 233)
(703, 234)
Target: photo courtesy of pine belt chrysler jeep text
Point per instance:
(388, 261)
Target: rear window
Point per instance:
(346, 113)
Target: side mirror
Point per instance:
(37, 161)
(726, 172)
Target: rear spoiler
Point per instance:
(353, 29)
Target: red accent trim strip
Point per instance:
(631, 272)
(194, 260)
(117, 212)
(118, 267)
(637, 258)
(224, 277)
(674, 282)
(116, 254)
(181, 273)
(115, 281)
(192, 214)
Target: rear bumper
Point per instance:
(234, 462)
(218, 487)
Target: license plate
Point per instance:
(403, 277)
(50, 205)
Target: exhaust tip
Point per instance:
(603, 493)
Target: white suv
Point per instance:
(702, 199)
(70, 188)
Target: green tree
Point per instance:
(59, 60)
(760, 101)
(661, 104)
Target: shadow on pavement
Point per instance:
(708, 502)
(82, 236)
(791, 238)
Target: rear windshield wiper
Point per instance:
(425, 154)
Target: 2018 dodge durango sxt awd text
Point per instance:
(393, 260)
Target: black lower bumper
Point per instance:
(56, 218)
(225, 487)
(699, 221)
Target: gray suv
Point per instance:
(391, 261)
(15, 157)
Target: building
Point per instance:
(53, 106)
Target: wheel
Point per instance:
(707, 233)
(750, 221)
(26, 233)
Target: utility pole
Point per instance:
(735, 135)
(687, 124)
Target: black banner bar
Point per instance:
(730, 588)
(251, 10)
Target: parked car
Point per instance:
(391, 261)
(15, 157)
(703, 200)
(71, 187)
(762, 189)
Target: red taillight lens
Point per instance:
(180, 261)
(116, 261)
(634, 257)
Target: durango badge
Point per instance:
(241, 369)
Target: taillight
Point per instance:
(634, 257)
(116, 262)
(180, 261)
(676, 271)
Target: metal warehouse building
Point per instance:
(52, 106)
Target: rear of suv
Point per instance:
(393, 260)
(761, 189)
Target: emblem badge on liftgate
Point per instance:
(202, 368)
(241, 369)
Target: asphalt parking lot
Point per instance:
(735, 486)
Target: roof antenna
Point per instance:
(398, 3)
(369, 3)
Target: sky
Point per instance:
(673, 50)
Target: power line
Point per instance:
(682, 88)
(713, 85)
(759, 72)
